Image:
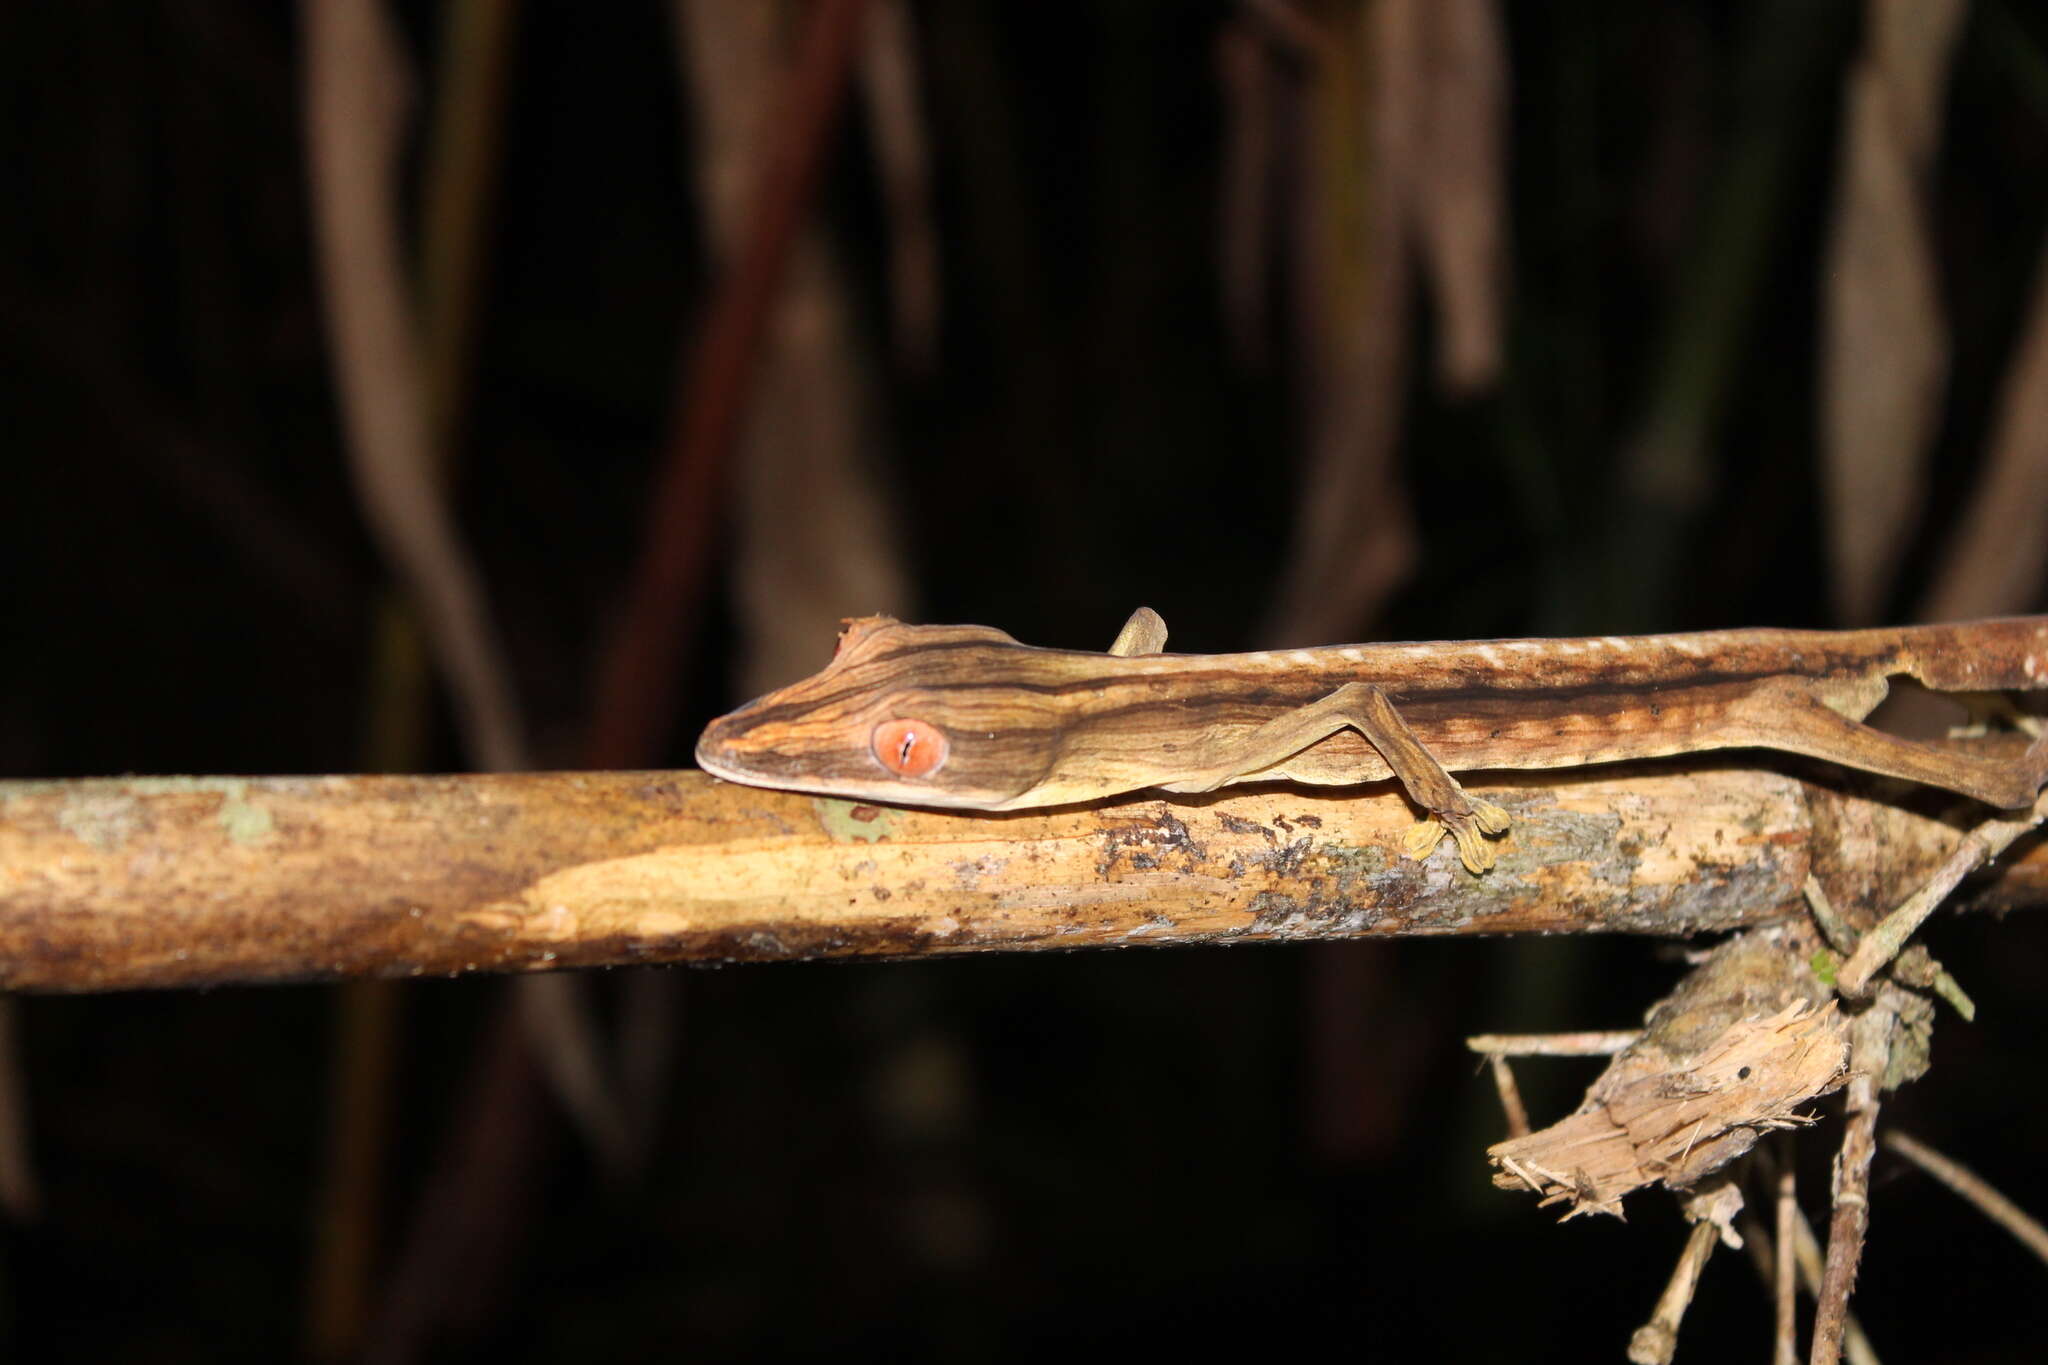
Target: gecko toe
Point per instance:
(1421, 839)
(1473, 849)
(1475, 833)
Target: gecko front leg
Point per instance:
(1365, 708)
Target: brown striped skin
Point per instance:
(1030, 727)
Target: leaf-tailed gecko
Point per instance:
(966, 717)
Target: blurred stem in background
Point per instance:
(401, 357)
(1666, 477)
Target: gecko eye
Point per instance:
(909, 748)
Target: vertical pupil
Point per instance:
(909, 748)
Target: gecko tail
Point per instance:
(2001, 654)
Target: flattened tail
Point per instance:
(2003, 654)
(2023, 782)
(2036, 763)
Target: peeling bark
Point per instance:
(1742, 1047)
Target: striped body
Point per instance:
(1029, 727)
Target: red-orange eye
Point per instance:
(909, 748)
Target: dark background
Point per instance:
(1251, 1150)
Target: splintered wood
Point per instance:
(1740, 1048)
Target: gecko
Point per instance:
(967, 718)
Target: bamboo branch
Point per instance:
(119, 883)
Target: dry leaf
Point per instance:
(903, 160)
(1460, 189)
(816, 541)
(2000, 556)
(1354, 538)
(1885, 356)
(1244, 210)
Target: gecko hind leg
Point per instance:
(1789, 717)
(1365, 708)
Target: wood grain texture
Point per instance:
(156, 882)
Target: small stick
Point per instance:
(1840, 934)
(1656, 1340)
(1807, 1251)
(1785, 1265)
(1842, 937)
(1510, 1096)
(1498, 1047)
(1883, 943)
(1591, 1044)
(1806, 1257)
(1870, 1048)
(1974, 1188)
(1951, 990)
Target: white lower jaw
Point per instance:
(850, 791)
(810, 787)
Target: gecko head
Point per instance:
(906, 715)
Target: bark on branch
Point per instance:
(152, 882)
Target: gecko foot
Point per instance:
(1471, 831)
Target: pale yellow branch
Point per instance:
(151, 882)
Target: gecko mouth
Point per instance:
(721, 753)
(735, 751)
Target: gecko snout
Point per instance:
(741, 748)
(720, 749)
